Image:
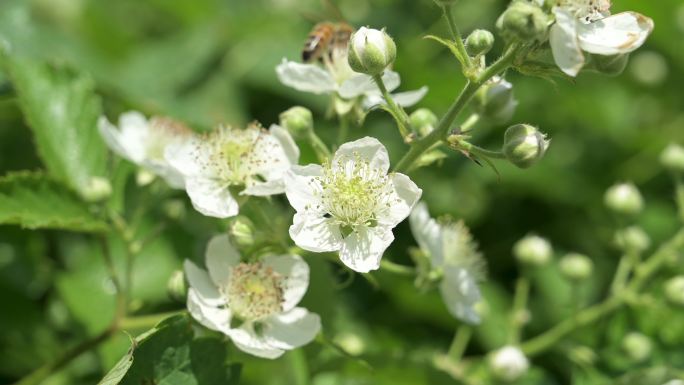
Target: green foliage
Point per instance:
(35, 201)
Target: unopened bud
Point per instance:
(672, 157)
(423, 120)
(624, 198)
(371, 51)
(175, 209)
(524, 145)
(674, 290)
(479, 42)
(297, 120)
(576, 267)
(176, 286)
(613, 65)
(495, 101)
(632, 238)
(524, 21)
(533, 250)
(637, 346)
(241, 231)
(98, 189)
(508, 363)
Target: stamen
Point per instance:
(254, 291)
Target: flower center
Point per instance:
(254, 291)
(586, 10)
(354, 193)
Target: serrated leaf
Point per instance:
(170, 354)
(62, 110)
(33, 200)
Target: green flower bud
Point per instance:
(637, 346)
(176, 287)
(613, 65)
(576, 267)
(479, 42)
(423, 120)
(524, 21)
(674, 290)
(632, 238)
(524, 145)
(241, 231)
(175, 209)
(672, 157)
(624, 198)
(297, 120)
(371, 51)
(98, 189)
(495, 101)
(533, 250)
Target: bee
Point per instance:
(324, 39)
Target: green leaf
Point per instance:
(169, 354)
(32, 200)
(62, 110)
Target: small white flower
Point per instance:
(252, 303)
(144, 142)
(351, 204)
(451, 249)
(228, 158)
(508, 363)
(586, 25)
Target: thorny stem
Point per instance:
(458, 40)
(396, 111)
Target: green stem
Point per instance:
(442, 130)
(300, 368)
(459, 343)
(458, 40)
(319, 147)
(627, 262)
(662, 256)
(522, 293)
(396, 268)
(397, 112)
(343, 129)
(477, 150)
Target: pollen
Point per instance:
(587, 10)
(254, 291)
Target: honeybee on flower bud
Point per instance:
(324, 39)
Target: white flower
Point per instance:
(508, 363)
(143, 142)
(351, 204)
(586, 25)
(451, 249)
(252, 303)
(229, 158)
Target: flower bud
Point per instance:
(479, 42)
(672, 157)
(637, 346)
(241, 231)
(508, 363)
(674, 290)
(632, 238)
(613, 65)
(624, 198)
(175, 209)
(297, 120)
(495, 101)
(576, 267)
(533, 250)
(524, 21)
(176, 286)
(524, 145)
(371, 51)
(98, 189)
(423, 120)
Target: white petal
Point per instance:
(211, 197)
(301, 186)
(202, 283)
(128, 140)
(362, 250)
(409, 98)
(212, 317)
(188, 157)
(296, 274)
(262, 189)
(427, 232)
(565, 44)
(292, 329)
(366, 149)
(405, 195)
(617, 34)
(461, 294)
(220, 258)
(286, 142)
(305, 77)
(317, 234)
(360, 84)
(248, 341)
(169, 173)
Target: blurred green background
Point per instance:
(212, 61)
